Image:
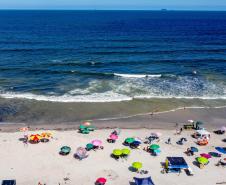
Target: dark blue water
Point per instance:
(112, 55)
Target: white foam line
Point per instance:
(137, 75)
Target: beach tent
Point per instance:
(143, 181)
(65, 150)
(175, 164)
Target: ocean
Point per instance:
(63, 66)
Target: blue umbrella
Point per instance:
(194, 149)
(136, 143)
(221, 149)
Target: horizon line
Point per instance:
(163, 10)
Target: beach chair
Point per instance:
(8, 182)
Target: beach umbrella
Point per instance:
(194, 149)
(65, 149)
(82, 127)
(117, 152)
(113, 137)
(129, 140)
(202, 160)
(101, 180)
(96, 142)
(81, 152)
(125, 151)
(156, 134)
(154, 147)
(87, 123)
(137, 165)
(46, 134)
(89, 146)
(221, 149)
(35, 137)
(24, 129)
(207, 156)
(136, 143)
(215, 154)
(157, 151)
(223, 129)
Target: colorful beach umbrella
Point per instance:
(82, 127)
(125, 151)
(137, 165)
(221, 149)
(65, 149)
(97, 142)
(194, 149)
(86, 123)
(129, 140)
(46, 134)
(154, 147)
(113, 137)
(202, 160)
(81, 152)
(101, 180)
(215, 154)
(89, 146)
(117, 152)
(136, 143)
(207, 156)
(35, 137)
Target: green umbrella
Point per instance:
(65, 149)
(202, 160)
(117, 152)
(137, 165)
(82, 127)
(125, 151)
(129, 140)
(89, 146)
(154, 147)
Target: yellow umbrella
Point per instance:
(137, 165)
(46, 135)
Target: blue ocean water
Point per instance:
(98, 56)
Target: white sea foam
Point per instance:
(96, 97)
(137, 75)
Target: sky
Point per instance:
(115, 4)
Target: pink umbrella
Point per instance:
(87, 123)
(101, 180)
(97, 142)
(207, 156)
(113, 137)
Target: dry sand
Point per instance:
(41, 162)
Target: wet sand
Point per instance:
(212, 117)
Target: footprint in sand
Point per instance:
(109, 174)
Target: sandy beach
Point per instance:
(33, 163)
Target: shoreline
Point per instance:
(212, 117)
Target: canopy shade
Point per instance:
(143, 181)
(177, 163)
